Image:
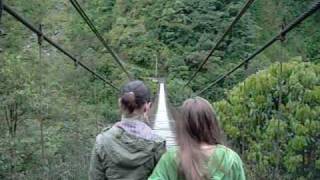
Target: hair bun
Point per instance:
(128, 101)
(133, 96)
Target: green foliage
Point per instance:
(50, 95)
(72, 106)
(272, 118)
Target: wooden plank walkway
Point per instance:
(162, 123)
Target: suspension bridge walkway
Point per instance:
(163, 124)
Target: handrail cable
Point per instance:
(85, 17)
(226, 32)
(39, 33)
(1, 9)
(40, 57)
(292, 25)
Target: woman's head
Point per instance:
(196, 126)
(134, 97)
(198, 121)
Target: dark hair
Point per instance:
(134, 95)
(197, 125)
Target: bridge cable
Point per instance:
(85, 17)
(41, 107)
(96, 109)
(280, 99)
(287, 29)
(1, 11)
(35, 30)
(238, 17)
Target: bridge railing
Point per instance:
(154, 107)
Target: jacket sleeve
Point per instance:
(96, 170)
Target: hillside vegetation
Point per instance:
(51, 109)
(272, 119)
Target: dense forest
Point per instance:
(51, 109)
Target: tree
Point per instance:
(272, 120)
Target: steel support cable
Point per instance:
(42, 109)
(287, 29)
(280, 84)
(85, 17)
(279, 115)
(39, 33)
(224, 35)
(1, 9)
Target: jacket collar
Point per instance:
(134, 125)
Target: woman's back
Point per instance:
(129, 150)
(124, 156)
(222, 164)
(200, 155)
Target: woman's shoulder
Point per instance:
(118, 135)
(225, 157)
(172, 151)
(105, 134)
(170, 154)
(220, 152)
(224, 150)
(111, 132)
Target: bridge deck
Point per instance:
(162, 123)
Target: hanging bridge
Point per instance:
(163, 123)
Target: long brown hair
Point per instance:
(196, 125)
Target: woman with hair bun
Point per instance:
(129, 149)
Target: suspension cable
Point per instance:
(85, 17)
(238, 17)
(1, 9)
(287, 29)
(41, 111)
(39, 33)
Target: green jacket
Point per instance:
(224, 164)
(118, 155)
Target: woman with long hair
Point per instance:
(129, 149)
(201, 154)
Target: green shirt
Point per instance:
(223, 164)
